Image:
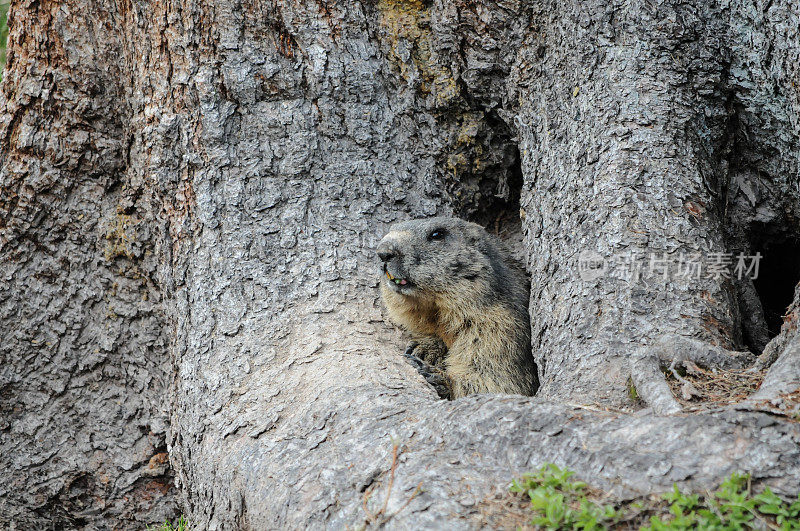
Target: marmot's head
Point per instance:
(435, 255)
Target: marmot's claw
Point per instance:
(410, 349)
(439, 383)
(415, 361)
(431, 374)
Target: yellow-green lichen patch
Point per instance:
(118, 238)
(407, 28)
(470, 125)
(468, 154)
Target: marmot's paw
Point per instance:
(431, 350)
(431, 374)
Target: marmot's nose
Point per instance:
(386, 251)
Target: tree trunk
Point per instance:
(192, 195)
(636, 132)
(84, 342)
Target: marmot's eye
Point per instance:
(437, 234)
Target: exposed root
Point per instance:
(676, 349)
(780, 391)
(651, 385)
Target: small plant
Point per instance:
(733, 506)
(180, 525)
(561, 503)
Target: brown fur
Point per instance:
(464, 302)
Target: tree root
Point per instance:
(670, 353)
(650, 383)
(782, 380)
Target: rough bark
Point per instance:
(83, 351)
(650, 116)
(238, 169)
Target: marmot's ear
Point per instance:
(476, 237)
(473, 232)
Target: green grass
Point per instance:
(732, 506)
(180, 525)
(558, 502)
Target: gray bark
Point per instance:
(84, 362)
(638, 122)
(193, 230)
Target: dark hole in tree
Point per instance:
(486, 188)
(779, 273)
(500, 213)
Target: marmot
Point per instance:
(464, 299)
